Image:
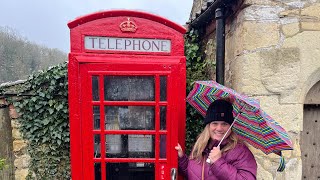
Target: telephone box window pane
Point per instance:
(130, 171)
(97, 171)
(130, 146)
(141, 146)
(95, 88)
(163, 143)
(97, 146)
(163, 88)
(129, 88)
(96, 117)
(129, 118)
(163, 117)
(115, 146)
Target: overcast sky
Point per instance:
(45, 21)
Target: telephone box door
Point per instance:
(128, 115)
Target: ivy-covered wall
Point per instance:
(42, 103)
(197, 69)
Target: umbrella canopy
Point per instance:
(251, 123)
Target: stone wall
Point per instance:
(273, 54)
(22, 158)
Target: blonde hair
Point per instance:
(203, 140)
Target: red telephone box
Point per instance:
(127, 85)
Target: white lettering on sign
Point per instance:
(127, 44)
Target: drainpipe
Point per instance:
(220, 9)
(220, 44)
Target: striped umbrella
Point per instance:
(251, 123)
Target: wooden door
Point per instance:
(310, 143)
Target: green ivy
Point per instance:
(45, 122)
(196, 70)
(2, 163)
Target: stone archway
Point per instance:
(309, 140)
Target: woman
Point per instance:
(232, 160)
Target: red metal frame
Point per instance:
(83, 64)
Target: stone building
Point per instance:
(273, 54)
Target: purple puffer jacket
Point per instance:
(235, 164)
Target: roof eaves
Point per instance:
(207, 12)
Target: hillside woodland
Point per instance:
(19, 57)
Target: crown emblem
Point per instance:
(128, 26)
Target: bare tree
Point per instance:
(20, 58)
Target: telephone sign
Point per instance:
(127, 78)
(127, 44)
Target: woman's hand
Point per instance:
(215, 154)
(179, 149)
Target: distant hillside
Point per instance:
(20, 58)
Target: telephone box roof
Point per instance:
(114, 13)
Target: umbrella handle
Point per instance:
(227, 132)
(208, 160)
(235, 119)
